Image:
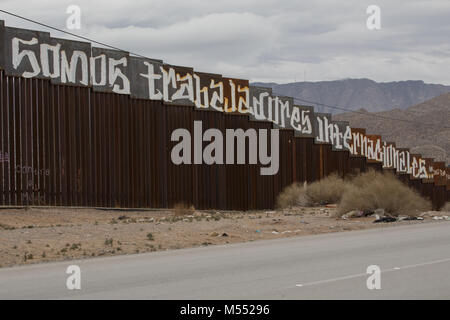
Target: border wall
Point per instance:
(91, 127)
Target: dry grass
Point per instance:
(368, 191)
(293, 195)
(446, 207)
(325, 191)
(373, 190)
(328, 190)
(182, 209)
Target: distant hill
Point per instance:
(425, 136)
(360, 93)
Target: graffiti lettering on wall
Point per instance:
(30, 170)
(372, 147)
(31, 184)
(301, 121)
(34, 54)
(388, 160)
(418, 167)
(336, 133)
(357, 145)
(403, 161)
(30, 53)
(429, 168)
(209, 93)
(4, 156)
(440, 176)
(30, 197)
(447, 170)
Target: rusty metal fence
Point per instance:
(71, 146)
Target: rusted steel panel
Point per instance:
(388, 156)
(237, 175)
(342, 133)
(404, 178)
(23, 38)
(285, 175)
(417, 167)
(377, 166)
(140, 152)
(428, 190)
(158, 159)
(302, 121)
(439, 197)
(109, 71)
(20, 143)
(374, 148)
(429, 170)
(403, 161)
(4, 139)
(447, 172)
(416, 184)
(205, 177)
(180, 89)
(309, 166)
(145, 75)
(317, 162)
(179, 177)
(440, 178)
(282, 106)
(209, 183)
(55, 145)
(356, 142)
(41, 189)
(236, 95)
(81, 145)
(335, 161)
(70, 145)
(357, 164)
(338, 162)
(209, 94)
(69, 137)
(303, 164)
(321, 124)
(329, 160)
(133, 143)
(261, 187)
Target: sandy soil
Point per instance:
(40, 235)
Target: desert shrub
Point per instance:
(373, 190)
(368, 191)
(293, 195)
(328, 190)
(182, 209)
(325, 191)
(446, 207)
(365, 178)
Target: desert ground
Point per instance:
(36, 235)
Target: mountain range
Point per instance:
(424, 127)
(355, 94)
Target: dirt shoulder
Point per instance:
(41, 235)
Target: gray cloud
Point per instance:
(266, 40)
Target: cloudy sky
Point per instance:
(265, 40)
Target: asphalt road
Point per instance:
(415, 264)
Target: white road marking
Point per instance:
(365, 274)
